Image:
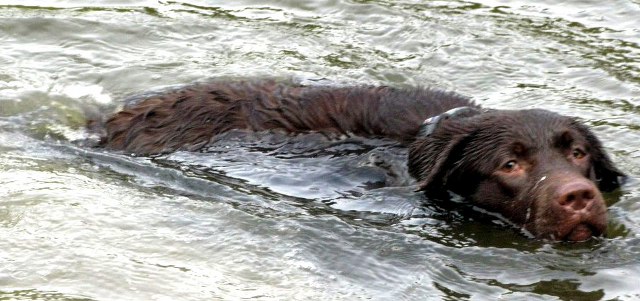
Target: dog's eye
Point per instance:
(578, 153)
(510, 166)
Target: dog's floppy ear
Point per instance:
(438, 141)
(607, 176)
(432, 157)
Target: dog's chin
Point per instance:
(578, 232)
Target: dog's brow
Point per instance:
(519, 148)
(567, 138)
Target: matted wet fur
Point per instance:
(540, 170)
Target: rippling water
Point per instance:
(266, 217)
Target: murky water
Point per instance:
(279, 218)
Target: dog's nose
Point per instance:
(582, 211)
(577, 195)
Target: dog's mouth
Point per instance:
(582, 232)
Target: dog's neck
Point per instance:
(432, 123)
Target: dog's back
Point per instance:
(188, 118)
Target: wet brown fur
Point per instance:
(553, 194)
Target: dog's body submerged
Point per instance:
(540, 170)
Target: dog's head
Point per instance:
(540, 170)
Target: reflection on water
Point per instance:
(265, 216)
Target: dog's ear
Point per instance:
(606, 175)
(439, 142)
(432, 158)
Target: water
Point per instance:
(277, 218)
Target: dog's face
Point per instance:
(540, 170)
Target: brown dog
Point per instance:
(540, 170)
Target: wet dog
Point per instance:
(540, 170)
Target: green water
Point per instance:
(255, 222)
